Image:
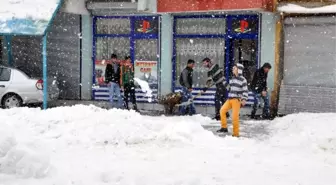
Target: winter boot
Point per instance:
(135, 107)
(253, 114)
(223, 130)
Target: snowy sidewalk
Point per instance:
(86, 145)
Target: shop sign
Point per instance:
(146, 26)
(147, 71)
(244, 26)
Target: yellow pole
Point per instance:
(277, 67)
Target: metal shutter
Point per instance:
(309, 83)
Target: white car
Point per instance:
(17, 89)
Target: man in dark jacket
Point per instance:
(112, 79)
(259, 89)
(186, 81)
(216, 76)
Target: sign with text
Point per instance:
(147, 71)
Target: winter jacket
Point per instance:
(127, 75)
(259, 81)
(186, 78)
(216, 75)
(238, 85)
(112, 75)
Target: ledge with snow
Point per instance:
(26, 17)
(292, 8)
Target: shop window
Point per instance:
(197, 49)
(244, 26)
(113, 26)
(146, 49)
(5, 74)
(199, 26)
(145, 63)
(105, 46)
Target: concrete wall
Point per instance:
(267, 47)
(87, 64)
(166, 53)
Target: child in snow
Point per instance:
(238, 95)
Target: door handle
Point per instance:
(2, 86)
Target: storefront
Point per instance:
(224, 38)
(134, 36)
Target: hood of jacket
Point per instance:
(240, 69)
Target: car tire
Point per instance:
(11, 101)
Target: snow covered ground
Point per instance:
(86, 145)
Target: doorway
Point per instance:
(244, 51)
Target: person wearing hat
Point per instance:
(237, 97)
(259, 89)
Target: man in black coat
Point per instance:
(259, 89)
(186, 81)
(112, 79)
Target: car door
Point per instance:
(5, 77)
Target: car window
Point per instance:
(5, 74)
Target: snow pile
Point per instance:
(27, 9)
(87, 145)
(145, 88)
(292, 8)
(305, 132)
(23, 160)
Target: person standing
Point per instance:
(259, 89)
(186, 81)
(112, 78)
(127, 83)
(237, 97)
(216, 76)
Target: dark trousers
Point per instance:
(129, 93)
(266, 108)
(220, 98)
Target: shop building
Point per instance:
(226, 33)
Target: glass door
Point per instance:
(244, 51)
(146, 61)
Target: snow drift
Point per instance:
(89, 145)
(293, 8)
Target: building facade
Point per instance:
(162, 42)
(160, 36)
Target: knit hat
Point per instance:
(240, 68)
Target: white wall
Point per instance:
(268, 23)
(166, 53)
(87, 64)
